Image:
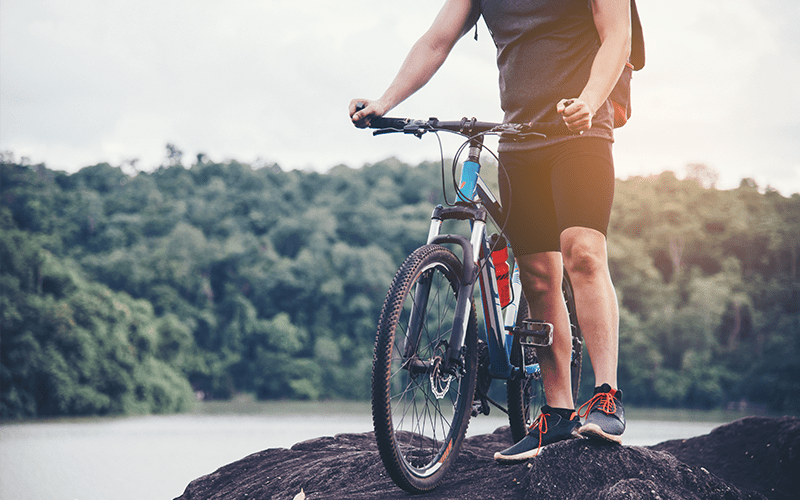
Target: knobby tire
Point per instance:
(419, 434)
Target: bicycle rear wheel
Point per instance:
(526, 394)
(419, 412)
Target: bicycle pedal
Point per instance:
(533, 333)
(480, 407)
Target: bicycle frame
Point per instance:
(477, 202)
(478, 266)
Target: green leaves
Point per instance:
(705, 278)
(127, 293)
(73, 347)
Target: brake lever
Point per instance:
(382, 131)
(415, 129)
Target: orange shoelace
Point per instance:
(607, 404)
(541, 424)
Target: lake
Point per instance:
(155, 457)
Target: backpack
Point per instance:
(620, 96)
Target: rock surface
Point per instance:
(751, 458)
(753, 453)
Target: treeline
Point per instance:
(135, 293)
(709, 287)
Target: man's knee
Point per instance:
(540, 277)
(585, 255)
(584, 261)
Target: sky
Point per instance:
(269, 81)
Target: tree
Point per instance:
(125, 294)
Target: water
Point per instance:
(155, 457)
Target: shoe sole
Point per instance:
(521, 457)
(594, 431)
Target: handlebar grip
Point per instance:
(380, 122)
(392, 124)
(362, 123)
(551, 129)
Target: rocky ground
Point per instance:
(751, 458)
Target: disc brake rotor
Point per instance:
(440, 383)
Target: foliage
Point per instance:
(128, 293)
(709, 291)
(72, 347)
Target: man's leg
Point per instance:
(541, 276)
(586, 261)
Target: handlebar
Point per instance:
(466, 127)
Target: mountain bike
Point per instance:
(432, 368)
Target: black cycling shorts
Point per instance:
(568, 184)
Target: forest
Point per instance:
(141, 292)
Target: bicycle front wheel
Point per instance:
(526, 394)
(420, 411)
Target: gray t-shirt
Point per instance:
(545, 50)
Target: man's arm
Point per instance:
(423, 60)
(612, 18)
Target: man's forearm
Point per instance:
(612, 18)
(606, 70)
(421, 63)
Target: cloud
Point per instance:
(715, 90)
(90, 80)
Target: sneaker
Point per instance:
(605, 417)
(546, 429)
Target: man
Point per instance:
(558, 59)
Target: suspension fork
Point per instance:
(467, 282)
(471, 250)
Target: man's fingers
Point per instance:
(563, 104)
(357, 109)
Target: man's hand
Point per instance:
(576, 113)
(361, 110)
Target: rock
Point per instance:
(755, 453)
(348, 466)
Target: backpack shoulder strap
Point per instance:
(637, 39)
